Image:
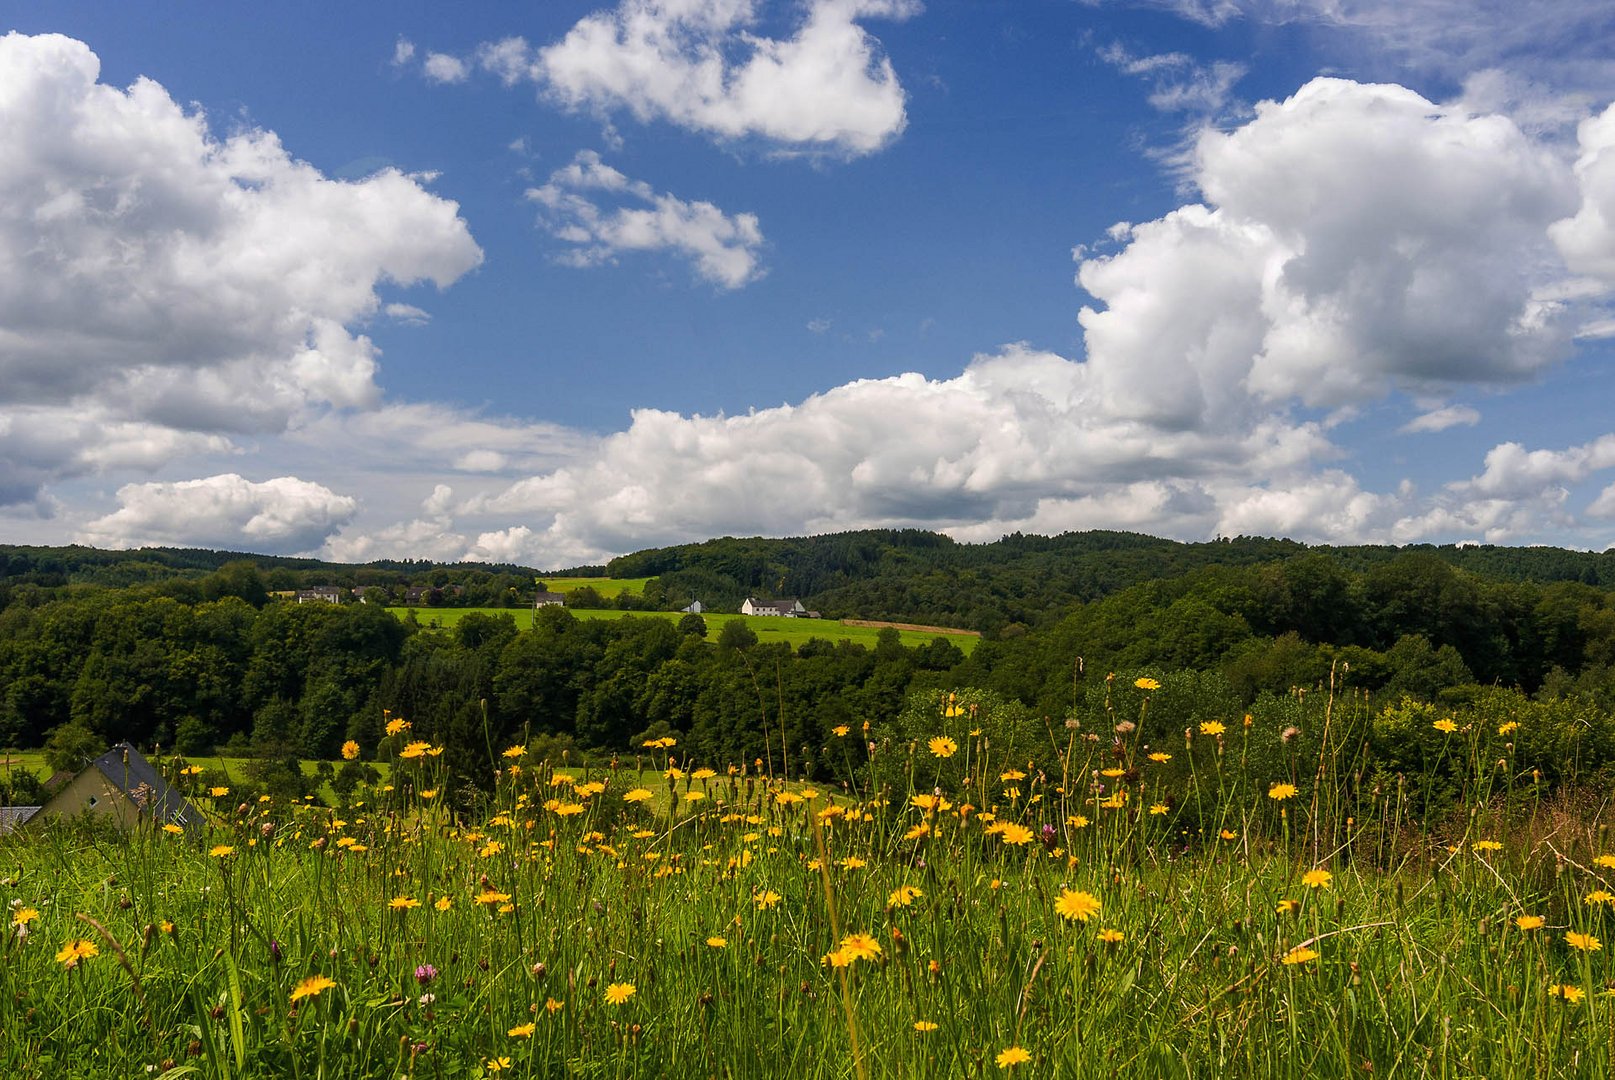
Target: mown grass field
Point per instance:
(606, 587)
(1156, 910)
(791, 631)
(229, 767)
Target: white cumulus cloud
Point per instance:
(1441, 419)
(723, 248)
(703, 65)
(284, 514)
(154, 274)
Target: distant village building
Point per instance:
(320, 594)
(372, 593)
(788, 609)
(120, 784)
(549, 599)
(695, 608)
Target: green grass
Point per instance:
(34, 761)
(1261, 924)
(606, 587)
(791, 631)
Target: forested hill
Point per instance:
(1028, 580)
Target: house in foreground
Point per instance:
(120, 784)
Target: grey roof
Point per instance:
(13, 816)
(132, 774)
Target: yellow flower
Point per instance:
(694, 796)
(1445, 725)
(1600, 896)
(496, 1064)
(1486, 845)
(522, 1031)
(638, 794)
(222, 851)
(1212, 727)
(1584, 942)
(1530, 922)
(218, 792)
(1317, 879)
(1229, 834)
(861, 946)
(1014, 834)
(24, 916)
(1146, 684)
(1572, 995)
(567, 809)
(552, 1006)
(429, 793)
(350, 750)
(840, 731)
(703, 774)
(1160, 757)
(443, 903)
(923, 1026)
(1286, 907)
(313, 986)
(1015, 1055)
(766, 899)
(74, 950)
(903, 896)
(491, 896)
(403, 903)
(717, 941)
(396, 725)
(918, 831)
(1081, 906)
(1607, 861)
(1281, 792)
(1508, 728)
(618, 993)
(414, 750)
(942, 746)
(1077, 821)
(1111, 774)
(1299, 955)
(1111, 937)
(515, 751)
(173, 829)
(1157, 809)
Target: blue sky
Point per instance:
(550, 282)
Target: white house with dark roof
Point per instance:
(786, 609)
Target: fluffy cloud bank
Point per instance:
(1355, 241)
(703, 65)
(227, 511)
(169, 282)
(723, 248)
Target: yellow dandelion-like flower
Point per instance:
(1212, 727)
(1147, 684)
(1229, 834)
(552, 1006)
(853, 862)
(861, 946)
(1077, 821)
(903, 896)
(414, 750)
(1287, 907)
(1530, 922)
(522, 1031)
(694, 796)
(717, 941)
(403, 903)
(1508, 728)
(1584, 942)
(24, 916)
(496, 1064)
(1299, 955)
(443, 903)
(1160, 757)
(1486, 845)
(75, 950)
(396, 725)
(221, 851)
(1280, 792)
(1571, 995)
(1445, 725)
(1600, 896)
(173, 829)
(942, 746)
(1157, 809)
(766, 899)
(1606, 861)
(313, 986)
(915, 833)
(515, 751)
(492, 896)
(1015, 1055)
(1111, 774)
(1073, 904)
(218, 792)
(638, 794)
(1111, 936)
(1317, 879)
(567, 809)
(840, 731)
(350, 750)
(923, 1026)
(619, 993)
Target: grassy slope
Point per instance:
(792, 631)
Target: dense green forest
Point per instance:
(204, 657)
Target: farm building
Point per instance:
(549, 599)
(789, 608)
(120, 784)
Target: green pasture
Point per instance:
(606, 587)
(793, 632)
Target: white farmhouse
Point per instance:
(788, 609)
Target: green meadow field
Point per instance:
(606, 587)
(767, 628)
(960, 900)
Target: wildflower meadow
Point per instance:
(1241, 896)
